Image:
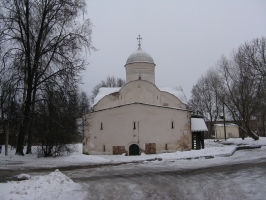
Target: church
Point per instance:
(140, 117)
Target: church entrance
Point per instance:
(134, 150)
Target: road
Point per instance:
(245, 180)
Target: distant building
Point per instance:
(139, 117)
(232, 131)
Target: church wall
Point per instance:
(152, 125)
(143, 71)
(140, 91)
(135, 91)
(109, 101)
(170, 100)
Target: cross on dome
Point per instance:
(139, 38)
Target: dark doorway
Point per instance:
(134, 150)
(197, 140)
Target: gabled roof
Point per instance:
(228, 124)
(176, 91)
(198, 124)
(103, 91)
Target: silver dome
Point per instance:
(139, 56)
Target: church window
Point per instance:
(166, 147)
(103, 148)
(134, 125)
(172, 125)
(101, 126)
(139, 77)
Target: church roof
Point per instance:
(103, 91)
(139, 56)
(176, 91)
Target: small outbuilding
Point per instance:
(232, 131)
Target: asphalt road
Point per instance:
(238, 181)
(245, 180)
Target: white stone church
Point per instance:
(140, 117)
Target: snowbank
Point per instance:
(56, 185)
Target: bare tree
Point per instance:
(110, 81)
(204, 97)
(55, 122)
(242, 93)
(83, 104)
(253, 55)
(43, 41)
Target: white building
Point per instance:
(232, 131)
(139, 117)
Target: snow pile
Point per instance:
(56, 185)
(23, 177)
(212, 151)
(247, 141)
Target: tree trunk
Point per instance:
(25, 122)
(251, 133)
(6, 139)
(29, 144)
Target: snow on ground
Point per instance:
(246, 141)
(212, 148)
(56, 185)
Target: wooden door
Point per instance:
(150, 148)
(118, 150)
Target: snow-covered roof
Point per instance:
(176, 91)
(139, 56)
(198, 124)
(225, 124)
(105, 91)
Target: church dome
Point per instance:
(139, 56)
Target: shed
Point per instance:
(198, 126)
(232, 131)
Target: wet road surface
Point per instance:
(167, 181)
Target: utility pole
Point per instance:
(224, 124)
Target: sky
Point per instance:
(184, 37)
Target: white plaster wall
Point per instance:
(139, 91)
(144, 70)
(219, 131)
(167, 99)
(153, 125)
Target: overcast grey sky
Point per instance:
(184, 37)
